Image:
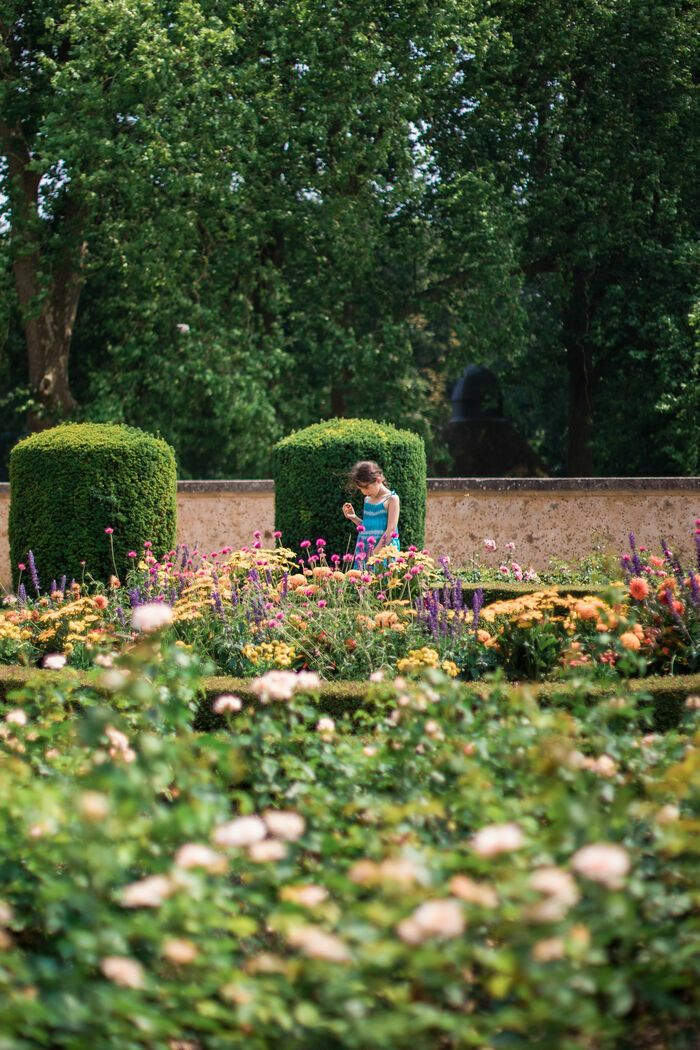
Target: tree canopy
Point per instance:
(225, 221)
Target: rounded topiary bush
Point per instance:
(310, 469)
(70, 483)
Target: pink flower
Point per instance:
(197, 855)
(277, 534)
(305, 544)
(284, 824)
(132, 554)
(316, 943)
(360, 527)
(497, 838)
(227, 702)
(257, 534)
(510, 546)
(243, 831)
(440, 918)
(394, 535)
(322, 603)
(21, 566)
(266, 851)
(123, 971)
(602, 862)
(490, 545)
(109, 531)
(146, 893)
(54, 661)
(504, 569)
(320, 543)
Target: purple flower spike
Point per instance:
(33, 573)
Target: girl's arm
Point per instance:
(392, 520)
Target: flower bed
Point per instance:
(252, 610)
(442, 872)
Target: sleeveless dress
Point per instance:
(374, 519)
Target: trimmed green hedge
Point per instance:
(668, 694)
(310, 469)
(68, 484)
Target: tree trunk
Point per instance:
(48, 298)
(579, 356)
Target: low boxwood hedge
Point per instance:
(668, 694)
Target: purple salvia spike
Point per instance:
(33, 572)
(62, 585)
(120, 616)
(22, 593)
(285, 584)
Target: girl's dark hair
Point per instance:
(365, 472)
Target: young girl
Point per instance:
(380, 515)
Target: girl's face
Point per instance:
(371, 488)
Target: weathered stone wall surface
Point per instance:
(544, 517)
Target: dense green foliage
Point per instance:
(72, 482)
(442, 872)
(307, 211)
(311, 468)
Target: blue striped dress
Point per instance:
(374, 519)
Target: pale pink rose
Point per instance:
(151, 617)
(548, 950)
(307, 680)
(479, 893)
(364, 872)
(497, 838)
(440, 918)
(308, 896)
(490, 545)
(275, 685)
(284, 824)
(123, 971)
(560, 891)
(105, 660)
(147, 893)
(227, 703)
(317, 944)
(402, 871)
(196, 855)
(180, 951)
(369, 750)
(116, 738)
(18, 717)
(602, 862)
(93, 805)
(267, 850)
(668, 814)
(376, 676)
(54, 661)
(433, 728)
(243, 831)
(325, 727)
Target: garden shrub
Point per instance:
(454, 875)
(311, 467)
(70, 483)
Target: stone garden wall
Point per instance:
(545, 517)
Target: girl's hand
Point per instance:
(349, 511)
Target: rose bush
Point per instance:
(441, 871)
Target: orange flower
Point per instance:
(100, 601)
(322, 572)
(585, 611)
(639, 588)
(629, 640)
(297, 580)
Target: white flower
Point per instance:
(440, 918)
(122, 970)
(497, 838)
(668, 814)
(307, 680)
(284, 824)
(227, 702)
(196, 855)
(318, 944)
(182, 328)
(147, 893)
(267, 850)
(376, 676)
(53, 661)
(602, 862)
(18, 717)
(151, 617)
(243, 831)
